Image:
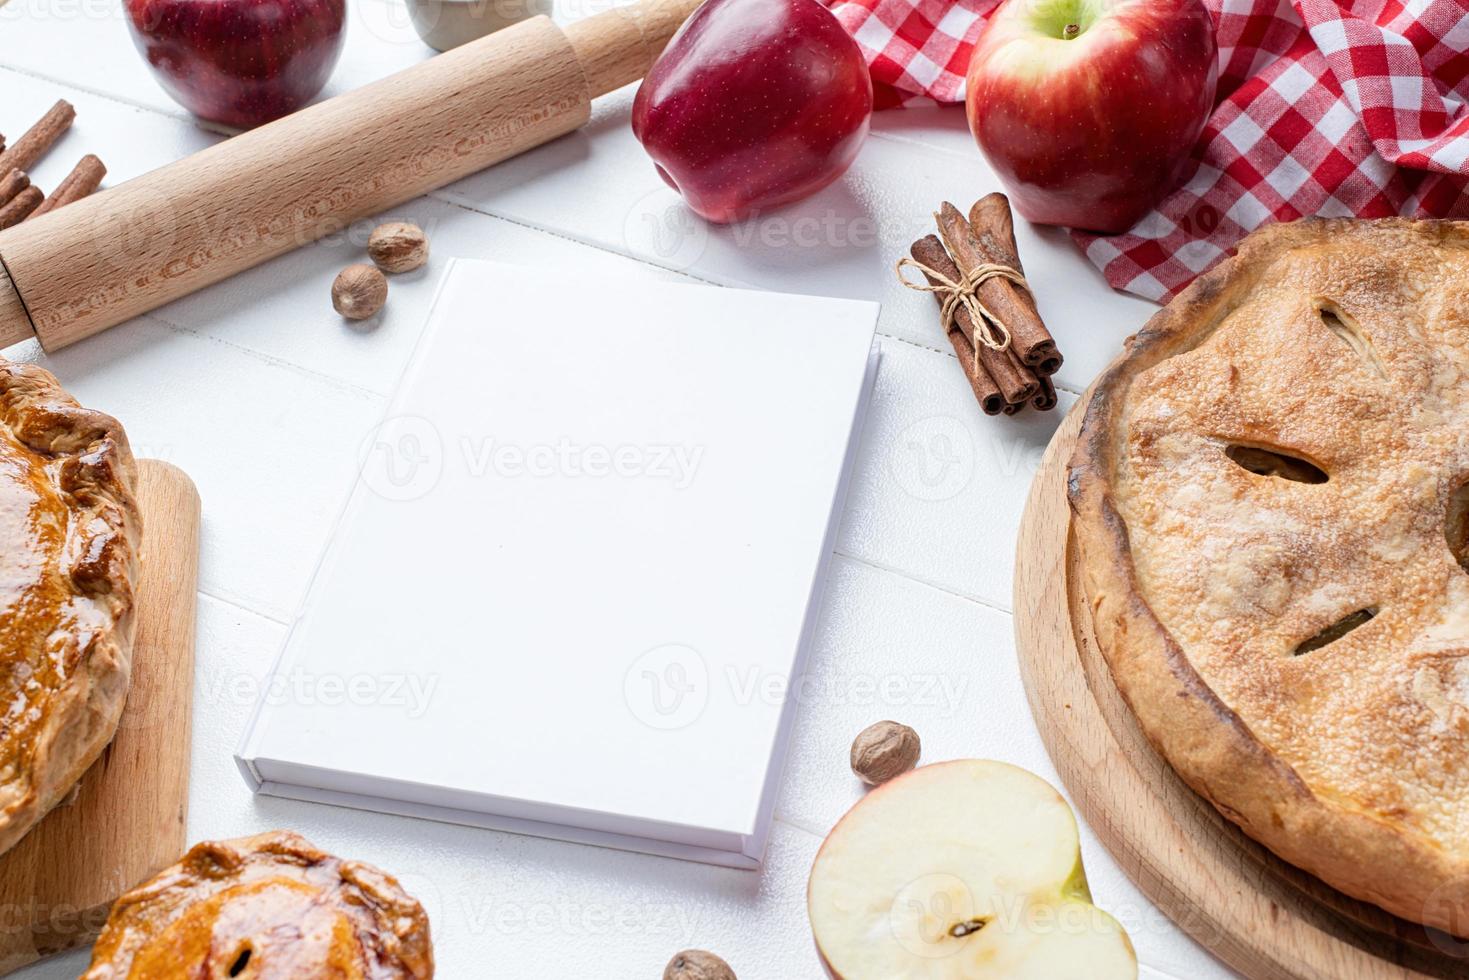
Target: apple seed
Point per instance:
(962, 929)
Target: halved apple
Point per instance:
(963, 870)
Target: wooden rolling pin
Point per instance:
(91, 265)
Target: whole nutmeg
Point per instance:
(398, 247)
(884, 750)
(696, 964)
(359, 291)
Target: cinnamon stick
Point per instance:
(1045, 399)
(1004, 372)
(84, 178)
(1017, 383)
(1030, 381)
(39, 138)
(991, 228)
(19, 209)
(991, 402)
(12, 184)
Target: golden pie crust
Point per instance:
(270, 906)
(69, 531)
(1292, 630)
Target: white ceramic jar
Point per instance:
(445, 24)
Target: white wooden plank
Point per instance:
(939, 486)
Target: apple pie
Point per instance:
(1271, 493)
(269, 906)
(70, 528)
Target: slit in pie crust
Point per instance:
(1298, 647)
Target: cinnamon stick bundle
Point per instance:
(1013, 382)
(1016, 382)
(988, 237)
(84, 178)
(973, 270)
(19, 209)
(38, 139)
(12, 184)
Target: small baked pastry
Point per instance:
(1270, 495)
(270, 906)
(69, 532)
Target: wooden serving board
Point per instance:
(1258, 914)
(127, 820)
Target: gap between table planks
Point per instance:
(127, 821)
(1261, 916)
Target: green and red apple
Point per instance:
(966, 870)
(1089, 110)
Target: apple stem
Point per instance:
(1070, 31)
(963, 929)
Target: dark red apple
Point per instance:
(754, 104)
(1089, 109)
(240, 62)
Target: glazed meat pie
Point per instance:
(270, 907)
(70, 533)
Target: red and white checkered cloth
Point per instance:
(1326, 107)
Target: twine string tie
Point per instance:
(989, 329)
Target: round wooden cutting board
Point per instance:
(1258, 914)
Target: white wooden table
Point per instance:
(263, 394)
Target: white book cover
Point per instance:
(577, 575)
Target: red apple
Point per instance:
(754, 104)
(240, 62)
(1088, 109)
